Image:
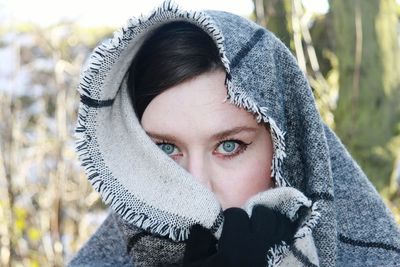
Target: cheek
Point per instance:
(244, 178)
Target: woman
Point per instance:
(201, 133)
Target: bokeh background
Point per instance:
(349, 49)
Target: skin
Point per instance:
(221, 145)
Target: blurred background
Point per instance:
(349, 49)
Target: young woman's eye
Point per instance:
(227, 147)
(231, 147)
(169, 149)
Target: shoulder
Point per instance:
(105, 248)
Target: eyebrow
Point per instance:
(216, 136)
(168, 137)
(235, 130)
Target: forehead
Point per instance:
(195, 105)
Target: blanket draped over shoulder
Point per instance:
(345, 223)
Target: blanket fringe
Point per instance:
(276, 254)
(307, 226)
(242, 99)
(100, 181)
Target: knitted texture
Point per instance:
(105, 248)
(143, 249)
(130, 171)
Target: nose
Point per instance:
(198, 167)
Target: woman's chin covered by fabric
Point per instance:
(156, 198)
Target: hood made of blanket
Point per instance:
(148, 189)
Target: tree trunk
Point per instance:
(369, 83)
(275, 16)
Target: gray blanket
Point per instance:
(347, 222)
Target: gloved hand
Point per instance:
(244, 241)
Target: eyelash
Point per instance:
(242, 147)
(165, 142)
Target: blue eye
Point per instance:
(228, 147)
(231, 148)
(169, 149)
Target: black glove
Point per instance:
(244, 241)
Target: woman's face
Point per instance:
(220, 144)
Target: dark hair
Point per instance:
(174, 53)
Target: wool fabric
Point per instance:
(154, 202)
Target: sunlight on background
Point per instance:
(97, 13)
(317, 6)
(48, 208)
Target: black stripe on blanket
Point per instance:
(321, 195)
(301, 257)
(96, 103)
(360, 243)
(246, 49)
